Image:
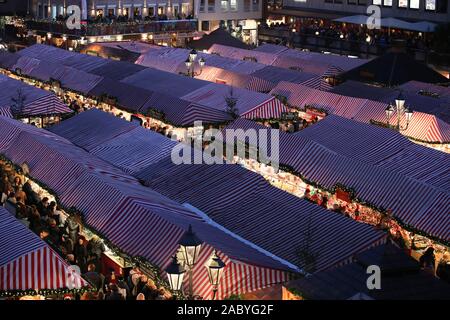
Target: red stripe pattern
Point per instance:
(27, 262)
(424, 127)
(272, 108)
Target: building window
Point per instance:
(161, 10)
(233, 5)
(246, 5)
(387, 3)
(362, 2)
(151, 11)
(211, 6)
(436, 5)
(376, 2)
(224, 5)
(414, 4)
(202, 6)
(402, 3)
(255, 5)
(351, 1)
(111, 12)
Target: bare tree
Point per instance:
(231, 102)
(305, 251)
(18, 102)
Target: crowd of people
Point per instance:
(352, 32)
(64, 233)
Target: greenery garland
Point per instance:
(43, 292)
(352, 192)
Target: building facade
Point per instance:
(107, 8)
(414, 10)
(14, 7)
(210, 13)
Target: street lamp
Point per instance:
(190, 64)
(193, 55)
(215, 272)
(190, 246)
(400, 109)
(175, 274)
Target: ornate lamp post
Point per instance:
(190, 64)
(175, 274)
(400, 109)
(215, 272)
(190, 246)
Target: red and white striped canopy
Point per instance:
(423, 126)
(28, 263)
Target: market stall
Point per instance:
(28, 266)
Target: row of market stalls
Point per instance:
(181, 99)
(245, 73)
(29, 266)
(228, 195)
(28, 103)
(136, 219)
(422, 127)
(374, 179)
(283, 57)
(421, 96)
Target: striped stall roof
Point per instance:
(6, 112)
(243, 54)
(75, 79)
(217, 75)
(34, 101)
(121, 143)
(134, 150)
(342, 62)
(213, 95)
(243, 202)
(424, 127)
(85, 62)
(332, 71)
(273, 108)
(317, 83)
(164, 82)
(117, 70)
(27, 262)
(381, 147)
(275, 75)
(223, 191)
(419, 96)
(124, 211)
(182, 112)
(25, 65)
(414, 202)
(8, 60)
(44, 52)
(92, 128)
(129, 97)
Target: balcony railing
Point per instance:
(115, 28)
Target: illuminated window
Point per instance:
(430, 5)
(414, 4)
(233, 5)
(224, 5)
(387, 3)
(402, 3)
(376, 2)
